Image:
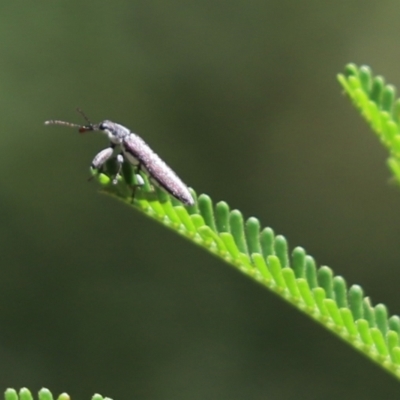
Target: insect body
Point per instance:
(134, 149)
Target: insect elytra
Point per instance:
(125, 144)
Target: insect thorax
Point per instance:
(115, 132)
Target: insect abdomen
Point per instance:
(136, 148)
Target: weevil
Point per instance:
(131, 147)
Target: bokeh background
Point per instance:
(241, 99)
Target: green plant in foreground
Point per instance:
(44, 394)
(263, 256)
(378, 105)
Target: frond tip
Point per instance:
(377, 103)
(265, 258)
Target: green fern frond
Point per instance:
(378, 105)
(44, 394)
(265, 258)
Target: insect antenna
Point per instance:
(80, 111)
(89, 126)
(57, 122)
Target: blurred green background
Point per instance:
(241, 99)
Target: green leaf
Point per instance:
(394, 324)
(44, 394)
(10, 394)
(275, 268)
(364, 331)
(348, 321)
(253, 235)
(291, 274)
(290, 280)
(381, 318)
(206, 210)
(267, 240)
(365, 76)
(378, 84)
(325, 279)
(222, 213)
(319, 296)
(25, 394)
(311, 272)
(299, 262)
(379, 341)
(306, 293)
(334, 312)
(356, 296)
(340, 290)
(368, 311)
(388, 98)
(281, 250)
(237, 230)
(377, 103)
(261, 265)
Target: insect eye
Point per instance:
(103, 126)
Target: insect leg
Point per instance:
(139, 181)
(120, 160)
(101, 158)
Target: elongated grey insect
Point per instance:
(130, 146)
